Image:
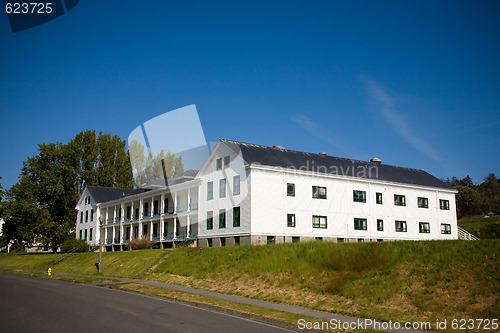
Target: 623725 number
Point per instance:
(28, 7)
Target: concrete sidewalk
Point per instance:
(326, 316)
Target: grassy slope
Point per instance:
(484, 228)
(403, 281)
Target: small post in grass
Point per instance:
(101, 220)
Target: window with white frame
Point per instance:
(222, 188)
(210, 220)
(210, 190)
(236, 185)
(319, 222)
(222, 218)
(218, 164)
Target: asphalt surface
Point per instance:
(29, 304)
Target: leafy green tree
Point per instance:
(41, 206)
(468, 201)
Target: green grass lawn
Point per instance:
(484, 228)
(399, 281)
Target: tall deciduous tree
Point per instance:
(41, 206)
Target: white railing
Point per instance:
(465, 235)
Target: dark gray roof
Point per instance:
(105, 194)
(177, 179)
(290, 159)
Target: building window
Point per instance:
(236, 185)
(145, 211)
(90, 234)
(359, 224)
(210, 190)
(424, 227)
(340, 240)
(218, 164)
(399, 200)
(210, 220)
(423, 202)
(155, 207)
(380, 225)
(81, 217)
(319, 222)
(378, 198)
(236, 240)
(444, 204)
(295, 239)
(86, 216)
(129, 212)
(361, 240)
(359, 196)
(290, 189)
(271, 240)
(85, 234)
(120, 214)
(445, 228)
(400, 226)
(222, 218)
(136, 214)
(319, 192)
(222, 188)
(85, 201)
(236, 216)
(91, 215)
(226, 162)
(290, 220)
(80, 234)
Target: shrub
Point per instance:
(142, 243)
(72, 243)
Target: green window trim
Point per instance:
(222, 219)
(218, 164)
(290, 220)
(401, 226)
(378, 198)
(210, 220)
(319, 222)
(359, 196)
(399, 200)
(380, 225)
(424, 227)
(444, 204)
(445, 228)
(290, 189)
(236, 217)
(423, 202)
(319, 192)
(360, 224)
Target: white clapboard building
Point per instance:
(252, 194)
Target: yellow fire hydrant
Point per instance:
(49, 271)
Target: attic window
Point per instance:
(226, 162)
(218, 164)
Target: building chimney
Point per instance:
(322, 153)
(376, 160)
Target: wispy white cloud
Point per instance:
(398, 121)
(320, 132)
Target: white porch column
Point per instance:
(188, 228)
(189, 200)
(114, 214)
(151, 230)
(132, 211)
(175, 202)
(162, 208)
(141, 207)
(113, 235)
(175, 228)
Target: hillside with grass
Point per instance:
(398, 281)
(482, 227)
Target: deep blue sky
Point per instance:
(415, 83)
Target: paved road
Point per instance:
(30, 304)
